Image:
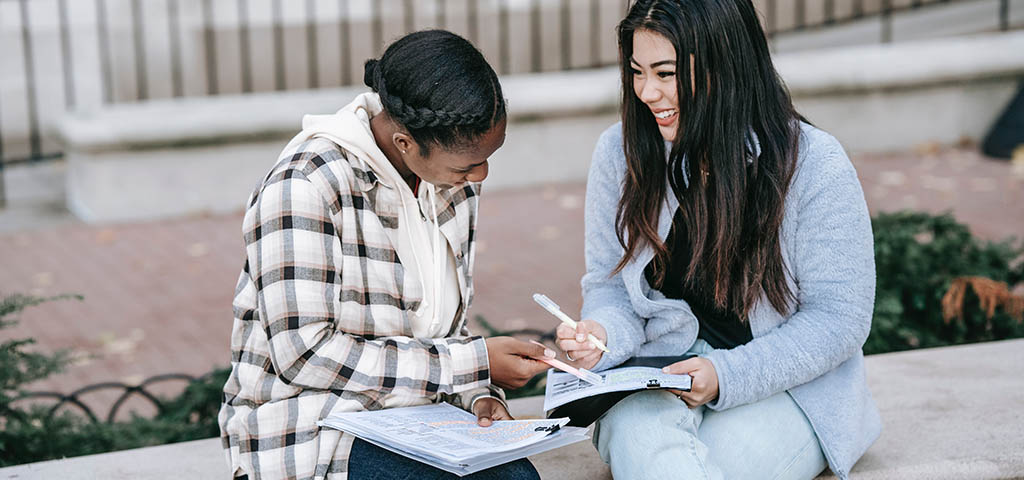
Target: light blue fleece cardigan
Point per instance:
(814, 353)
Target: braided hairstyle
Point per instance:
(439, 87)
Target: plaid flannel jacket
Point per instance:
(322, 316)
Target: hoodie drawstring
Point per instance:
(424, 304)
(434, 302)
(439, 267)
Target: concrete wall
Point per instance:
(167, 158)
(897, 96)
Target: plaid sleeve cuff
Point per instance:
(485, 393)
(469, 366)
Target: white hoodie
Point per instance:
(421, 248)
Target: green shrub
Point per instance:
(917, 257)
(189, 416)
(19, 367)
(31, 433)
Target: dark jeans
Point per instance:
(368, 461)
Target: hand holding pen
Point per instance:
(574, 342)
(583, 342)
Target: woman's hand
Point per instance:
(510, 362)
(577, 348)
(489, 410)
(704, 387)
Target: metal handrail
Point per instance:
(140, 389)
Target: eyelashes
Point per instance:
(665, 74)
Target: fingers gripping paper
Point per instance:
(583, 402)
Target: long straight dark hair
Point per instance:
(734, 201)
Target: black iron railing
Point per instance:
(124, 391)
(57, 402)
(113, 51)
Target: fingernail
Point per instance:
(664, 370)
(580, 337)
(549, 353)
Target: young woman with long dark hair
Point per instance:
(359, 258)
(721, 225)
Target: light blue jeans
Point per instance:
(653, 434)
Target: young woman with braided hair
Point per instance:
(358, 276)
(722, 226)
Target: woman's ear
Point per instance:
(403, 142)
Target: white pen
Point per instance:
(555, 310)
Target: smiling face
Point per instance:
(445, 168)
(654, 79)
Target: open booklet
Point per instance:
(449, 438)
(583, 402)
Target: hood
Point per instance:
(350, 129)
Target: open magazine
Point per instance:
(584, 402)
(449, 438)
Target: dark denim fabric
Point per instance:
(370, 462)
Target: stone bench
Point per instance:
(948, 413)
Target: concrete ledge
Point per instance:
(899, 96)
(198, 460)
(168, 158)
(914, 64)
(263, 116)
(235, 118)
(948, 413)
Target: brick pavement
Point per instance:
(158, 294)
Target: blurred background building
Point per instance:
(61, 55)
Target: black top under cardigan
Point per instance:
(720, 328)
